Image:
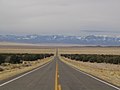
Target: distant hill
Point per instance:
(60, 39)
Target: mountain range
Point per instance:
(80, 40)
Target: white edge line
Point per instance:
(23, 75)
(95, 78)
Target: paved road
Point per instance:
(41, 79)
(44, 79)
(71, 79)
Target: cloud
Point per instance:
(100, 31)
(59, 16)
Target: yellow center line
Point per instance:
(57, 85)
(56, 79)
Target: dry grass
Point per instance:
(91, 50)
(108, 72)
(14, 69)
(33, 51)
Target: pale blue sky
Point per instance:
(67, 17)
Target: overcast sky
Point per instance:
(67, 17)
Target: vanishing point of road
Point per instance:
(55, 75)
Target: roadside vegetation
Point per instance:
(112, 59)
(106, 67)
(19, 58)
(13, 64)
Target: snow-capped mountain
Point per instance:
(84, 40)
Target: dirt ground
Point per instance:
(91, 50)
(14, 69)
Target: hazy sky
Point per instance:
(67, 17)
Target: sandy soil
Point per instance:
(20, 50)
(91, 50)
(14, 69)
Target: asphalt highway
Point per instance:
(43, 78)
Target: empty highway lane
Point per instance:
(40, 79)
(55, 75)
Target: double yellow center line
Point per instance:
(57, 85)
